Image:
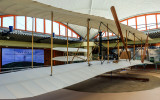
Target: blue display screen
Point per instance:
(10, 55)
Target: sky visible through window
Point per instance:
(144, 22)
(38, 24)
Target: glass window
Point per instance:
(158, 20)
(132, 22)
(124, 22)
(103, 34)
(151, 21)
(56, 28)
(141, 23)
(29, 24)
(20, 22)
(110, 34)
(8, 21)
(0, 21)
(62, 30)
(48, 26)
(39, 25)
(74, 34)
(69, 33)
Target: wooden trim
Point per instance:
(118, 47)
(54, 55)
(134, 48)
(136, 23)
(25, 23)
(14, 22)
(146, 21)
(156, 21)
(59, 29)
(44, 25)
(144, 51)
(35, 24)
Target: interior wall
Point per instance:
(47, 57)
(21, 57)
(47, 54)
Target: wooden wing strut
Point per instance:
(144, 51)
(119, 28)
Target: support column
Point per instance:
(108, 44)
(147, 51)
(32, 38)
(141, 48)
(127, 43)
(100, 45)
(51, 42)
(126, 40)
(90, 50)
(144, 51)
(118, 47)
(88, 41)
(67, 43)
(134, 48)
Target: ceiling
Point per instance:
(124, 8)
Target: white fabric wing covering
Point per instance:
(64, 49)
(37, 81)
(33, 8)
(76, 58)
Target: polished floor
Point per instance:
(34, 82)
(63, 94)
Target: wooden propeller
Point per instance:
(119, 28)
(145, 48)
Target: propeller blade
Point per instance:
(119, 28)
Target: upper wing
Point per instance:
(34, 8)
